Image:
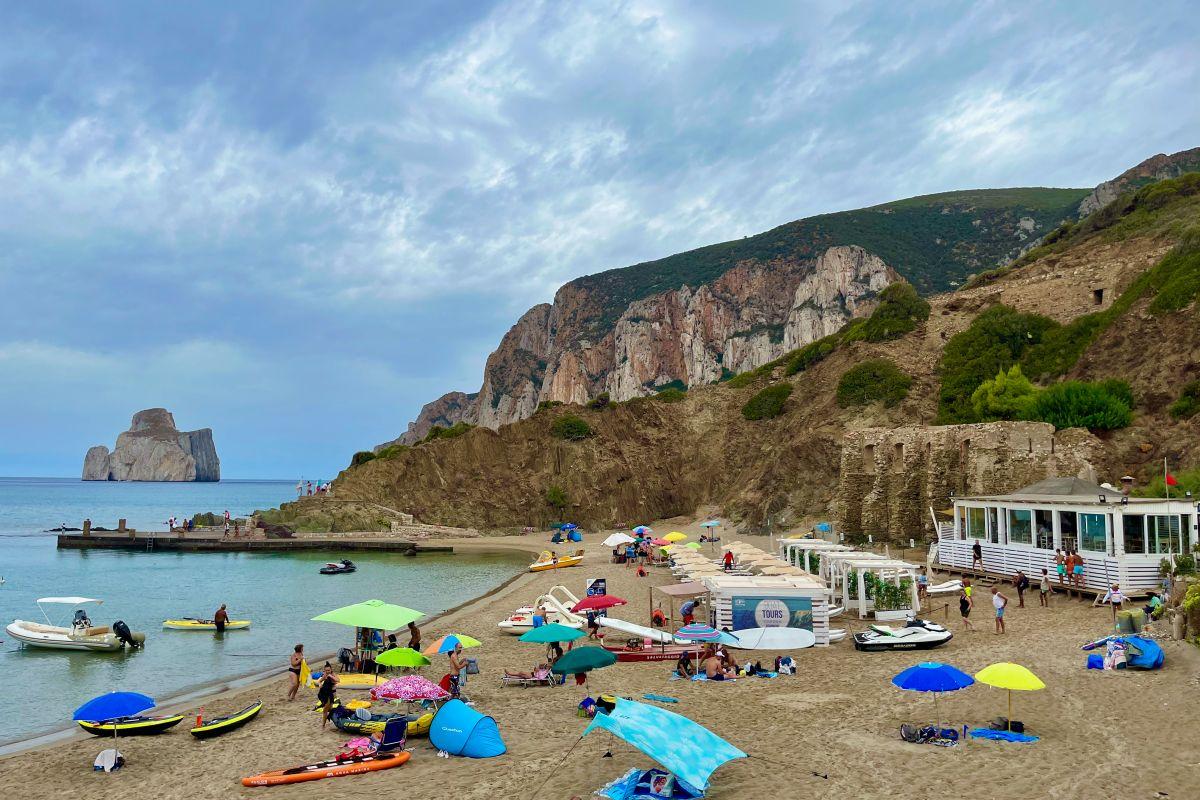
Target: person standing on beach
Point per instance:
(1021, 581)
(458, 665)
(1114, 596)
(1077, 571)
(977, 555)
(414, 636)
(1060, 566)
(728, 561)
(1000, 602)
(327, 693)
(220, 618)
(294, 663)
(1044, 589)
(965, 604)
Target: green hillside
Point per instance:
(935, 241)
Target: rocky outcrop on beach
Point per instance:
(153, 449)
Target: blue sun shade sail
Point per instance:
(930, 676)
(113, 705)
(681, 746)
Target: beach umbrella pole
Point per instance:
(1009, 725)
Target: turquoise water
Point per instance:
(279, 592)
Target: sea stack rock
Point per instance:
(153, 449)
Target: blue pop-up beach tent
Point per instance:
(462, 731)
(688, 749)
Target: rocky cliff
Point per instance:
(1155, 168)
(694, 318)
(153, 449)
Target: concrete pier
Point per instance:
(217, 542)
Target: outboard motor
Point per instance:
(126, 636)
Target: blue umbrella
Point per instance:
(113, 705)
(569, 526)
(930, 676)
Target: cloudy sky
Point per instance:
(295, 223)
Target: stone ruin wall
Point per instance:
(890, 477)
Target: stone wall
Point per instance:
(890, 477)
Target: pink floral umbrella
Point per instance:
(410, 688)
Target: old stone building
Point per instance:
(890, 477)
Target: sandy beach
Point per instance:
(829, 731)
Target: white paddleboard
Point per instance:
(774, 639)
(653, 634)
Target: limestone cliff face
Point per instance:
(749, 315)
(448, 409)
(1155, 168)
(153, 449)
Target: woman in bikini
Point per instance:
(326, 693)
(294, 671)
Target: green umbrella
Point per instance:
(692, 545)
(401, 657)
(552, 632)
(374, 614)
(583, 659)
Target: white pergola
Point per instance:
(891, 570)
(798, 551)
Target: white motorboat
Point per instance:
(80, 635)
(918, 634)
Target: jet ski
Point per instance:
(918, 634)
(338, 567)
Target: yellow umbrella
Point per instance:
(675, 536)
(1012, 677)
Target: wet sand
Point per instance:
(1104, 735)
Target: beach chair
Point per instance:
(541, 677)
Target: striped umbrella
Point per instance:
(445, 644)
(697, 632)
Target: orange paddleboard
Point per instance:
(329, 769)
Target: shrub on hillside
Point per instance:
(811, 354)
(361, 457)
(671, 395)
(438, 432)
(1188, 404)
(1009, 395)
(900, 311)
(557, 497)
(1075, 404)
(391, 451)
(768, 403)
(874, 380)
(994, 341)
(600, 401)
(571, 428)
(542, 406)
(743, 379)
(1180, 279)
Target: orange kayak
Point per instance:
(329, 769)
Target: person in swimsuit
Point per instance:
(221, 618)
(414, 636)
(1077, 570)
(458, 664)
(965, 604)
(327, 693)
(1114, 596)
(294, 671)
(1060, 566)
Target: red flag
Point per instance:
(1171, 480)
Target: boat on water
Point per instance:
(80, 635)
(338, 567)
(194, 624)
(918, 634)
(548, 560)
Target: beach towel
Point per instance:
(660, 698)
(108, 760)
(1004, 736)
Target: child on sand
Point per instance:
(1000, 602)
(1044, 589)
(1114, 596)
(964, 606)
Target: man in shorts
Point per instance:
(1044, 589)
(999, 602)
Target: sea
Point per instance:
(279, 593)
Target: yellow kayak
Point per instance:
(547, 561)
(191, 624)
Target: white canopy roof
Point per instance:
(69, 601)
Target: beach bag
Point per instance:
(472, 666)
(1095, 661)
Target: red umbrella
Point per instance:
(660, 542)
(597, 602)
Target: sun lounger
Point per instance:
(949, 587)
(541, 677)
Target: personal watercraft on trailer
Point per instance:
(355, 765)
(193, 624)
(338, 567)
(81, 635)
(918, 634)
(216, 726)
(131, 726)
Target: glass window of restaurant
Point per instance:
(1068, 530)
(1020, 526)
(1166, 532)
(1091, 533)
(976, 527)
(1134, 526)
(993, 525)
(1044, 526)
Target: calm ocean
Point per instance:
(279, 593)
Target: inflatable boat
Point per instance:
(351, 722)
(193, 624)
(131, 726)
(338, 567)
(81, 635)
(918, 634)
(218, 725)
(333, 768)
